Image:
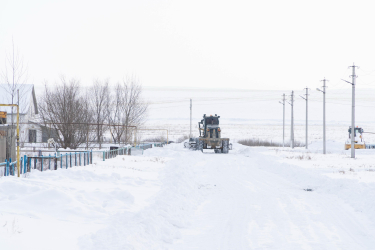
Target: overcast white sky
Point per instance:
(224, 44)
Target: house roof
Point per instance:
(27, 95)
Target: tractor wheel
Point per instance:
(217, 151)
(200, 145)
(225, 147)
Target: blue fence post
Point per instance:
(41, 168)
(75, 159)
(49, 161)
(66, 160)
(21, 160)
(103, 156)
(11, 165)
(6, 167)
(55, 162)
(14, 168)
(24, 163)
(84, 159)
(80, 158)
(29, 166)
(70, 159)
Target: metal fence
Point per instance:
(159, 144)
(9, 167)
(68, 160)
(115, 152)
(49, 162)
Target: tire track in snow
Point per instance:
(231, 201)
(257, 209)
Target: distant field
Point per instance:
(337, 133)
(258, 114)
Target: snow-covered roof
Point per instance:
(27, 96)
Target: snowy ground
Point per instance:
(173, 198)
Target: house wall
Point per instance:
(25, 115)
(4, 139)
(25, 136)
(23, 118)
(28, 109)
(2, 148)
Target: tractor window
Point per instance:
(358, 130)
(212, 120)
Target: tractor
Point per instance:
(210, 136)
(359, 142)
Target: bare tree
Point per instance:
(128, 110)
(68, 112)
(116, 114)
(12, 77)
(99, 100)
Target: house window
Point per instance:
(32, 135)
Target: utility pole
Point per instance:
(191, 112)
(324, 113)
(283, 103)
(352, 134)
(306, 99)
(353, 111)
(292, 122)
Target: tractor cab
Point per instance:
(359, 142)
(357, 134)
(210, 127)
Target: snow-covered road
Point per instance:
(254, 208)
(173, 198)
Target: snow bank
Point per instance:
(325, 174)
(169, 211)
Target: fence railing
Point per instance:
(144, 146)
(43, 163)
(67, 160)
(137, 150)
(115, 152)
(9, 167)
